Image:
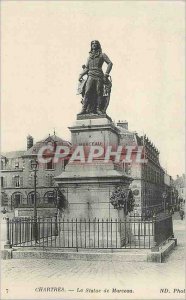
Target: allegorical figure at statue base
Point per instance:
(96, 89)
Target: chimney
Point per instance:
(30, 141)
(123, 124)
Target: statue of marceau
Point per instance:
(96, 88)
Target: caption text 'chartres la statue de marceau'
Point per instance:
(96, 88)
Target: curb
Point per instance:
(36, 254)
(159, 256)
(125, 256)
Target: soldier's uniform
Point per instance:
(95, 79)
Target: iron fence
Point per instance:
(133, 233)
(23, 231)
(163, 229)
(39, 205)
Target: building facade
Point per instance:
(148, 177)
(170, 192)
(180, 185)
(17, 178)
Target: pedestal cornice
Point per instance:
(93, 116)
(91, 127)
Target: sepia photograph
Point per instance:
(93, 180)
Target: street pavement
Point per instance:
(69, 279)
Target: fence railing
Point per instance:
(131, 233)
(96, 233)
(39, 205)
(27, 231)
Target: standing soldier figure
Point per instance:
(96, 78)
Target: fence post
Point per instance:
(8, 244)
(76, 237)
(56, 225)
(154, 248)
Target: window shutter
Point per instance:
(51, 180)
(47, 180)
(30, 180)
(13, 181)
(21, 181)
(4, 182)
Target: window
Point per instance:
(31, 180)
(16, 181)
(145, 172)
(50, 165)
(65, 162)
(16, 199)
(2, 181)
(16, 164)
(126, 168)
(31, 198)
(49, 180)
(150, 174)
(49, 197)
(4, 199)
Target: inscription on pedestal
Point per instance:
(93, 116)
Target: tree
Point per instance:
(62, 202)
(122, 198)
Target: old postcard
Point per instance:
(92, 149)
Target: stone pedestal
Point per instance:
(88, 186)
(95, 130)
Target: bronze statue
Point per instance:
(97, 88)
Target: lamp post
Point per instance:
(34, 164)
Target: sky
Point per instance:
(44, 45)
